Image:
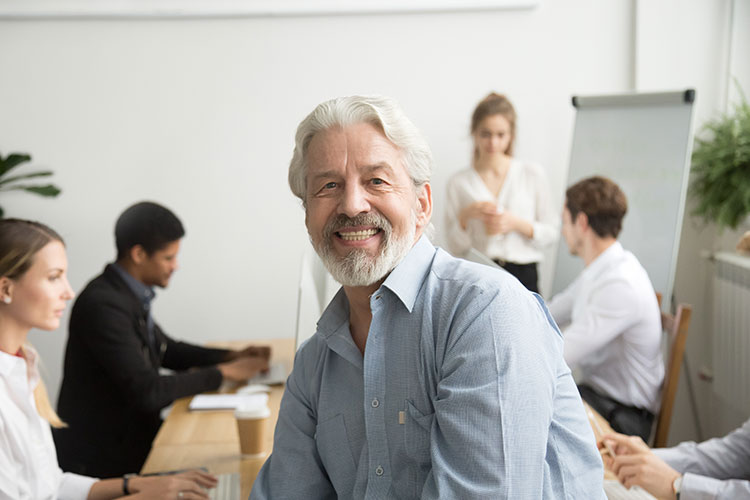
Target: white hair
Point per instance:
(379, 111)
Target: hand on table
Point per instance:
(243, 368)
(635, 464)
(252, 351)
(188, 485)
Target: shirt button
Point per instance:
(375, 403)
(379, 471)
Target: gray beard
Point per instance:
(358, 268)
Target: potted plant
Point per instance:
(15, 182)
(721, 168)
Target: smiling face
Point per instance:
(493, 136)
(39, 296)
(363, 211)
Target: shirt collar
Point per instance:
(28, 365)
(605, 259)
(144, 293)
(406, 279)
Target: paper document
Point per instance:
(205, 402)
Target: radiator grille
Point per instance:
(731, 335)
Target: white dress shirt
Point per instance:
(612, 327)
(717, 469)
(525, 193)
(28, 462)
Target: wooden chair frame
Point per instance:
(676, 327)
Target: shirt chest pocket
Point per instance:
(417, 435)
(335, 453)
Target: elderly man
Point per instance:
(428, 376)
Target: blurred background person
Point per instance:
(34, 290)
(500, 205)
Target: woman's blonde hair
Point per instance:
(20, 240)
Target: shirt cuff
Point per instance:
(74, 486)
(697, 487)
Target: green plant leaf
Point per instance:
(12, 161)
(46, 190)
(8, 180)
(721, 168)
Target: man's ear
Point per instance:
(582, 221)
(138, 254)
(424, 205)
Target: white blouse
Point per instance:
(28, 462)
(525, 193)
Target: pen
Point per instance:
(599, 431)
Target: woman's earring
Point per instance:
(7, 299)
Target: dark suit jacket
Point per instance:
(112, 392)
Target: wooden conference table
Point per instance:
(209, 438)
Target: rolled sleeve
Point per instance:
(75, 487)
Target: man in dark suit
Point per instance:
(112, 390)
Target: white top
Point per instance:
(611, 322)
(28, 462)
(525, 193)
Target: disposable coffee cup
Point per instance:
(252, 425)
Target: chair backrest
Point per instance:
(676, 327)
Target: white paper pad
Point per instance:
(205, 402)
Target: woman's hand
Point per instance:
(635, 464)
(476, 210)
(507, 222)
(190, 485)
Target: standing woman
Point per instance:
(500, 205)
(34, 290)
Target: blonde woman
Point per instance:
(500, 205)
(34, 291)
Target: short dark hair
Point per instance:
(601, 200)
(147, 224)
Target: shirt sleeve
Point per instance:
(547, 221)
(561, 305)
(457, 239)
(113, 342)
(715, 469)
(611, 309)
(489, 439)
(294, 469)
(75, 487)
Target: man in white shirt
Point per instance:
(609, 315)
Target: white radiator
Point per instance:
(731, 330)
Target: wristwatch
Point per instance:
(677, 486)
(125, 480)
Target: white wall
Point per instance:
(692, 49)
(200, 115)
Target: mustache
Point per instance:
(369, 219)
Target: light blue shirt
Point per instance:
(462, 393)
